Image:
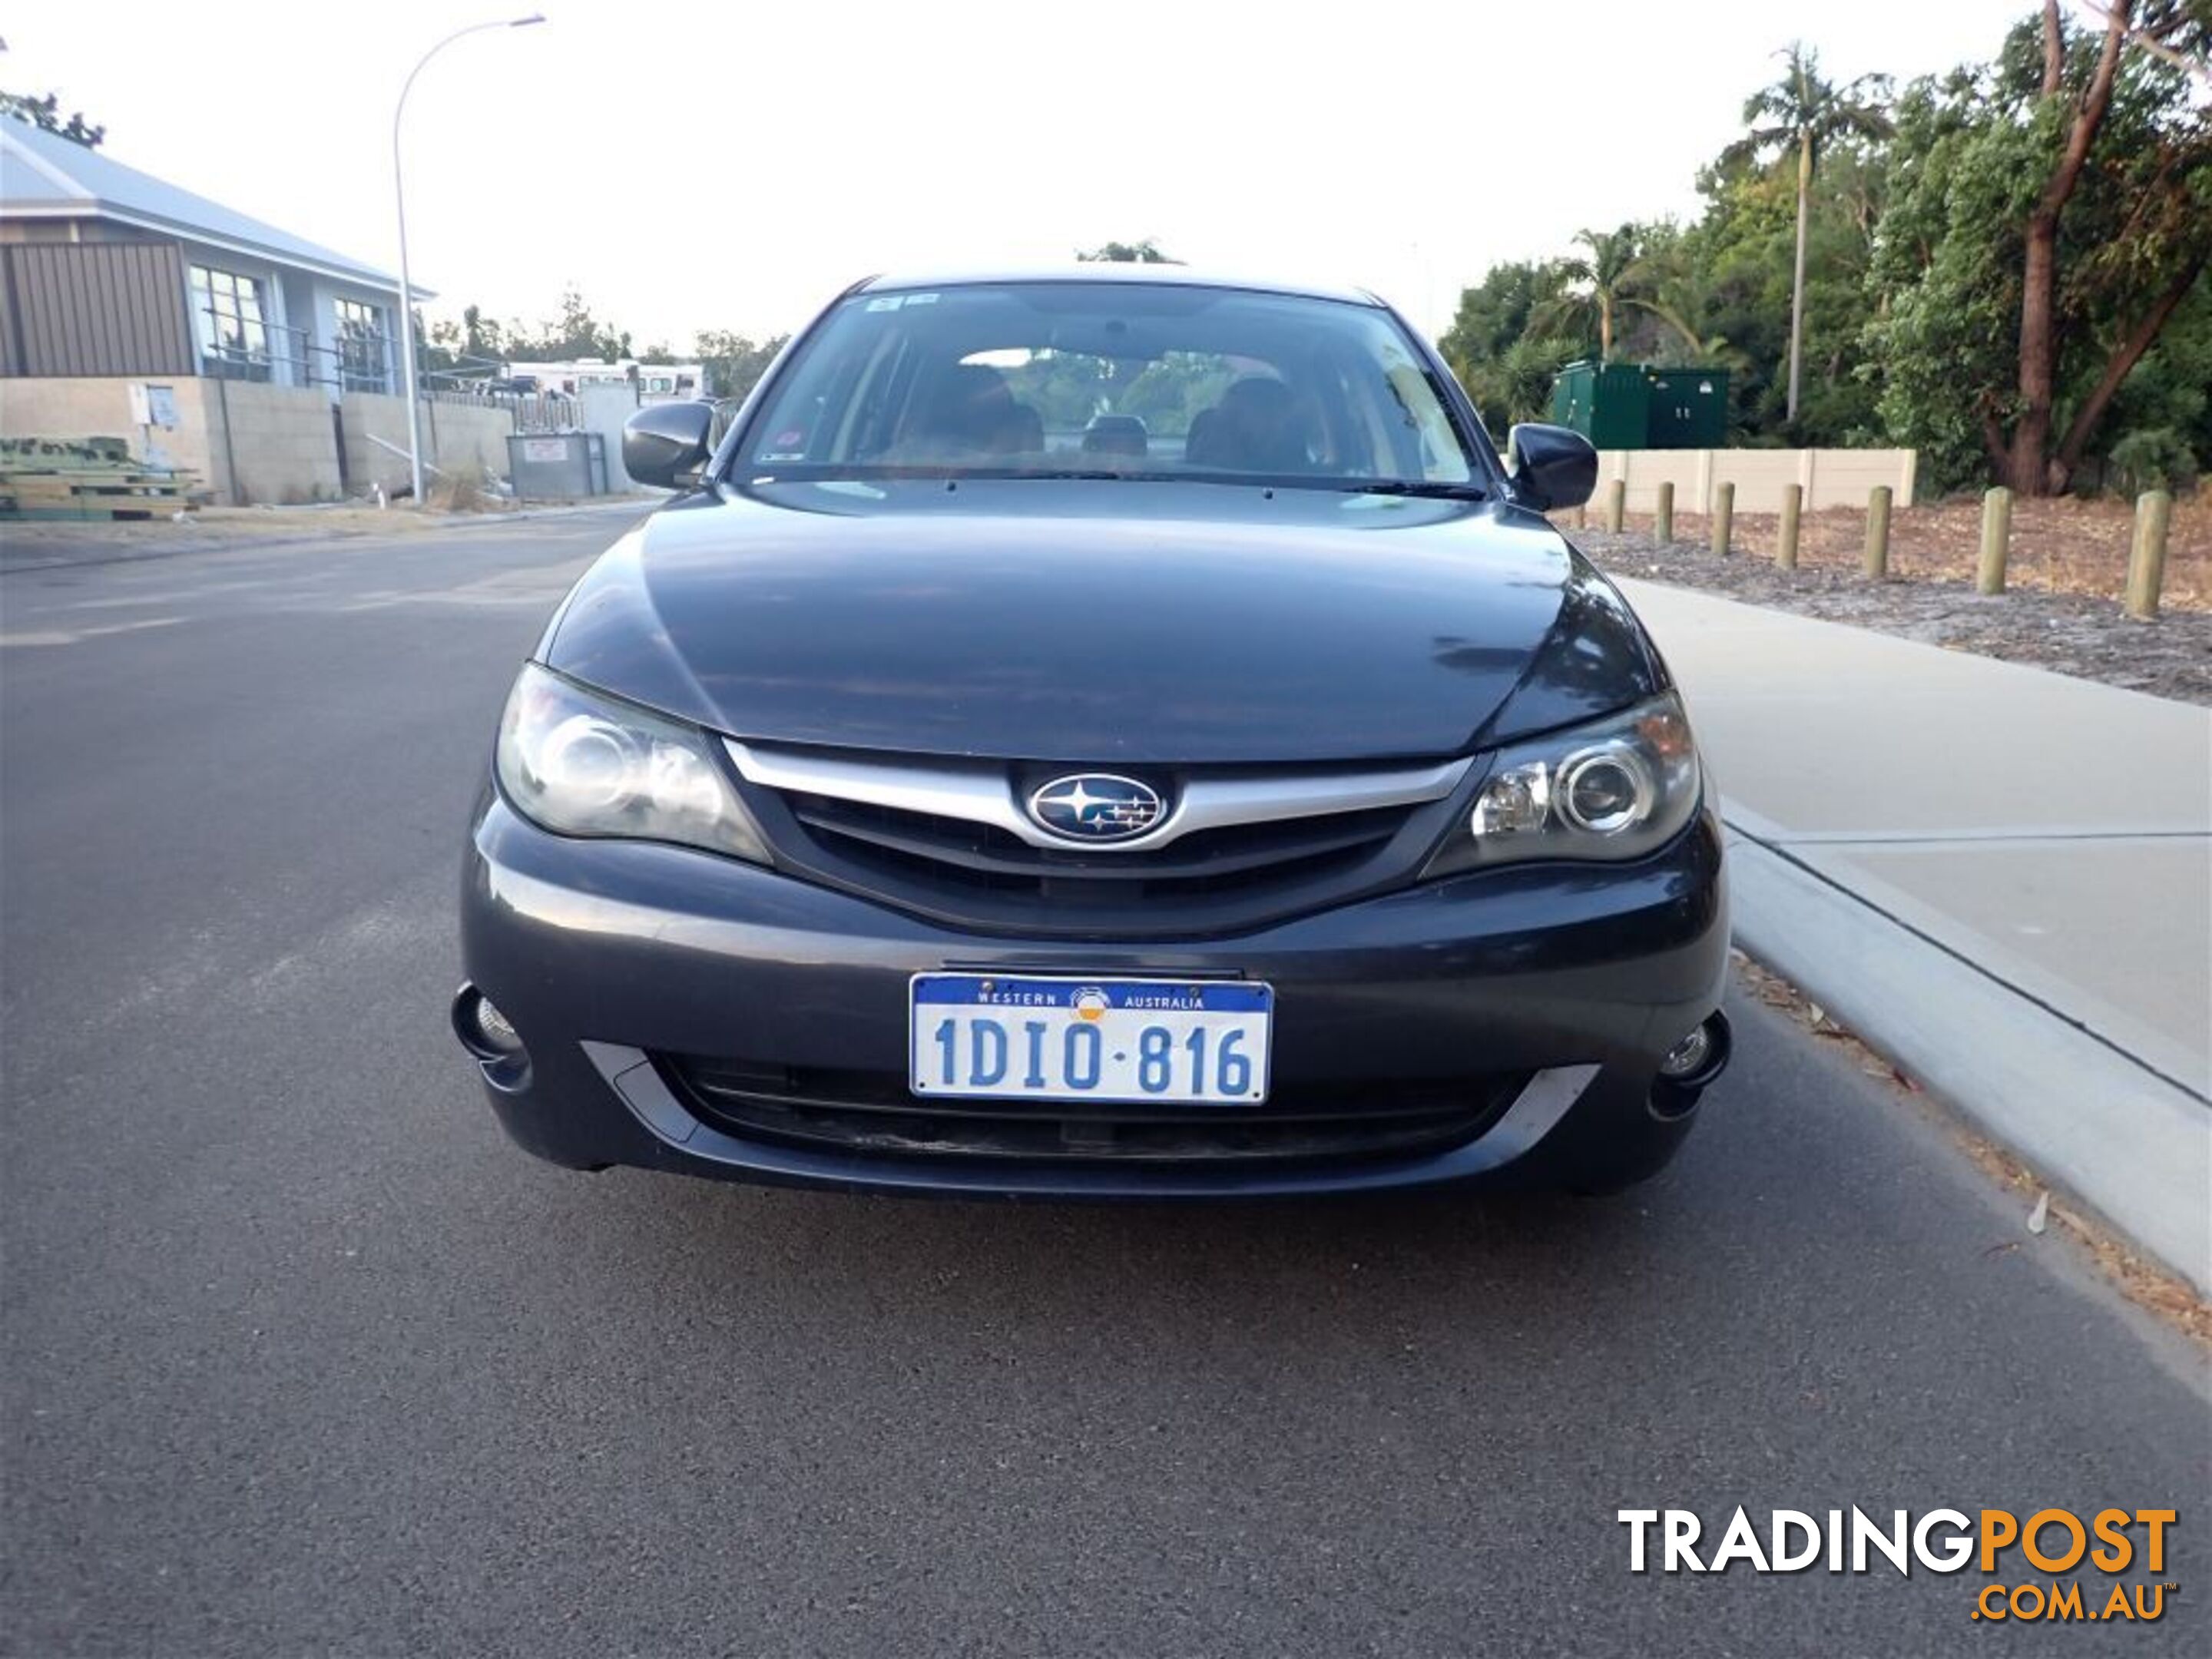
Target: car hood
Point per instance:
(1106, 622)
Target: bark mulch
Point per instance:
(2061, 610)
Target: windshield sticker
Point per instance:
(887, 302)
(921, 299)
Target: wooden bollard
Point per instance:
(1877, 547)
(2146, 558)
(1616, 505)
(1662, 517)
(1723, 518)
(1786, 546)
(1996, 540)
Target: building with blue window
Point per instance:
(184, 284)
(273, 363)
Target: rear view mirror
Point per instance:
(1550, 466)
(664, 445)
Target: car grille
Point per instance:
(873, 1112)
(1207, 882)
(957, 852)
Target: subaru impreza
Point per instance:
(1116, 733)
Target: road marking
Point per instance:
(77, 635)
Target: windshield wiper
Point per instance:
(1437, 488)
(879, 474)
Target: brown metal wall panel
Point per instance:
(11, 332)
(94, 309)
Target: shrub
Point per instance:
(461, 490)
(2150, 458)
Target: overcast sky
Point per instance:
(703, 163)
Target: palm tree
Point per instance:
(1521, 383)
(1803, 110)
(1612, 277)
(1692, 347)
(1684, 301)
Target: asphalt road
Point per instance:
(301, 1357)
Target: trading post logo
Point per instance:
(2086, 1559)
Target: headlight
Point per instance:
(581, 763)
(1617, 789)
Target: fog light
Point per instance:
(483, 1031)
(495, 1028)
(1686, 1058)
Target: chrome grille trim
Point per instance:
(982, 793)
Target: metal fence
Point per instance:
(233, 348)
(483, 383)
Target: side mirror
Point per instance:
(1550, 466)
(665, 444)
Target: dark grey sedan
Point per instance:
(1115, 734)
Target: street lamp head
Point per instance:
(525, 22)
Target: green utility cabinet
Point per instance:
(1688, 409)
(1609, 404)
(1630, 406)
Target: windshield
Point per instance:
(1123, 380)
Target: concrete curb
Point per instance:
(2126, 1140)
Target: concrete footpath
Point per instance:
(1999, 878)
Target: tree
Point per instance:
(734, 364)
(1169, 392)
(1503, 358)
(1518, 387)
(1723, 293)
(1497, 311)
(1611, 278)
(2189, 51)
(2050, 215)
(458, 352)
(438, 351)
(2080, 108)
(575, 333)
(45, 114)
(482, 336)
(1804, 111)
(1146, 253)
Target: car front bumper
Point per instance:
(1570, 983)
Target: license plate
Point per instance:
(1171, 1041)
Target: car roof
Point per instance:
(1110, 270)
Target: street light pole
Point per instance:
(407, 283)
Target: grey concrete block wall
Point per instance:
(456, 437)
(1828, 478)
(250, 442)
(282, 446)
